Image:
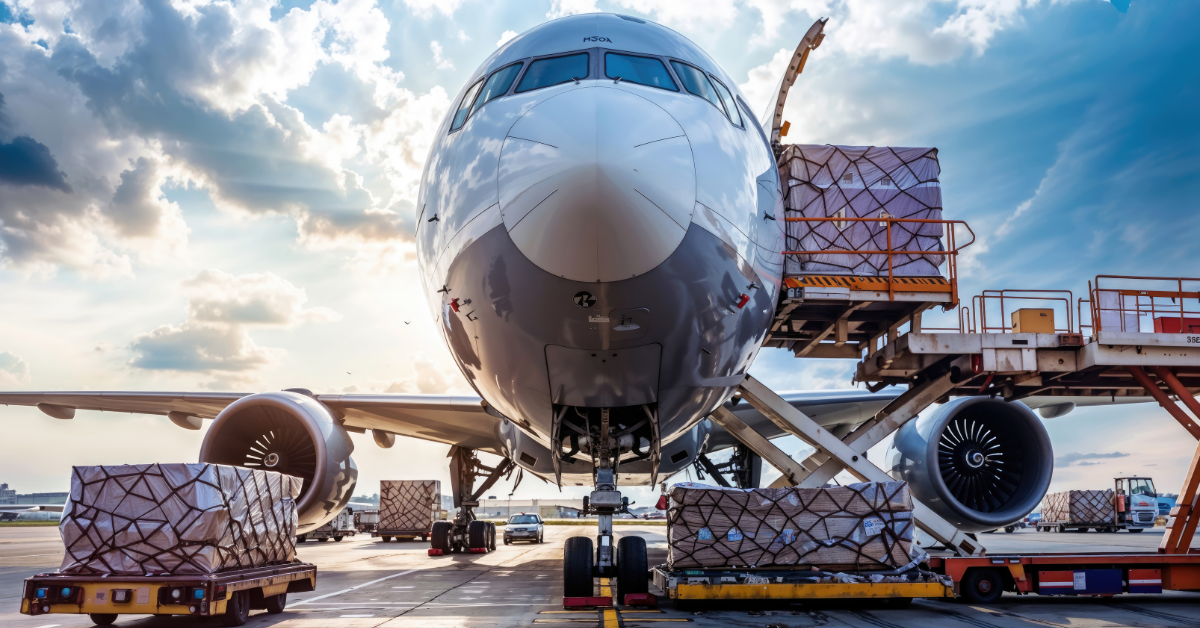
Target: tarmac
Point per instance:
(363, 583)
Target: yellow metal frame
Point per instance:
(151, 606)
(863, 590)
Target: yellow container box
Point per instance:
(1033, 321)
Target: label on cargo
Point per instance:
(734, 534)
(704, 534)
(872, 526)
(598, 319)
(789, 535)
(1080, 580)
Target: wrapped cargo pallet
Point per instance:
(153, 519)
(861, 182)
(408, 505)
(1073, 507)
(859, 526)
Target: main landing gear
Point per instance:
(624, 560)
(465, 532)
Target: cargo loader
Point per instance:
(230, 595)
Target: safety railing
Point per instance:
(980, 316)
(949, 238)
(1144, 304)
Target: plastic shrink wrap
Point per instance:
(824, 181)
(859, 526)
(408, 504)
(177, 519)
(1078, 507)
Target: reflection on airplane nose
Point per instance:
(597, 184)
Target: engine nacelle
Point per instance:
(293, 434)
(978, 462)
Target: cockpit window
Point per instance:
(464, 107)
(554, 71)
(730, 106)
(640, 70)
(697, 83)
(497, 85)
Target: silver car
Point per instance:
(523, 527)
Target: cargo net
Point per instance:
(861, 182)
(1072, 507)
(856, 527)
(408, 504)
(157, 519)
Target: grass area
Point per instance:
(591, 522)
(26, 524)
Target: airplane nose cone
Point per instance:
(597, 184)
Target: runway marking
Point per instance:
(354, 588)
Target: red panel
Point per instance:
(587, 602)
(478, 550)
(435, 552)
(1170, 325)
(648, 600)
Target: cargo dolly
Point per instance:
(230, 595)
(688, 586)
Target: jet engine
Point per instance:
(978, 462)
(294, 434)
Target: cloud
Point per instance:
(255, 299)
(762, 80)
(215, 338)
(24, 161)
(428, 377)
(439, 61)
(426, 8)
(1080, 460)
(504, 37)
(13, 370)
(563, 8)
(138, 96)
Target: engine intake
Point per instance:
(978, 462)
(293, 434)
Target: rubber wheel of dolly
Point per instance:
(385, 539)
(632, 575)
(477, 534)
(301, 539)
(275, 603)
(982, 586)
(577, 567)
(338, 539)
(440, 535)
(1010, 529)
(237, 610)
(322, 539)
(1136, 530)
(103, 619)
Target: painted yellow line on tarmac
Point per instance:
(609, 618)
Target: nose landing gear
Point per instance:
(625, 559)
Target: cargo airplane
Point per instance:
(600, 240)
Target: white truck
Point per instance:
(337, 529)
(1137, 503)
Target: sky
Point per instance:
(214, 195)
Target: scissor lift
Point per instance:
(1114, 356)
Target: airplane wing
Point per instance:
(451, 419)
(31, 507)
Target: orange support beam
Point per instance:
(1163, 400)
(1178, 388)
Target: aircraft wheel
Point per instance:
(577, 567)
(477, 535)
(323, 539)
(631, 567)
(442, 531)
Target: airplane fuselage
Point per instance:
(605, 231)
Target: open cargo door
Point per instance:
(773, 117)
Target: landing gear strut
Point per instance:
(744, 468)
(624, 560)
(465, 532)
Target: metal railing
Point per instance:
(1022, 297)
(950, 252)
(1163, 300)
